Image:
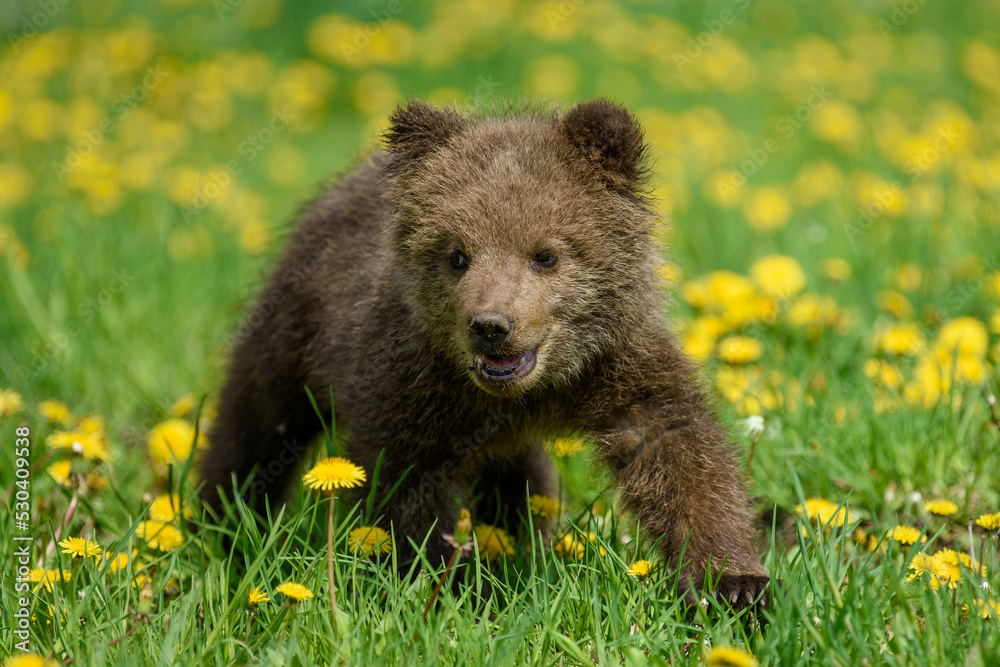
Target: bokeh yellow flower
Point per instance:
(29, 660)
(766, 209)
(728, 656)
(563, 447)
(167, 507)
(159, 535)
(493, 542)
(55, 412)
(964, 336)
(184, 406)
(941, 507)
(905, 534)
(171, 441)
(544, 506)
(990, 522)
(45, 577)
(778, 276)
(904, 338)
(369, 539)
(573, 544)
(824, 512)
(836, 268)
(895, 304)
(294, 590)
(88, 440)
(739, 350)
(10, 402)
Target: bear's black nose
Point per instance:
(489, 330)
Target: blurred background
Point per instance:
(153, 153)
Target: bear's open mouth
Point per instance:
(504, 369)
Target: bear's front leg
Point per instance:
(676, 471)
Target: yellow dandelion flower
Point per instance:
(739, 350)
(941, 507)
(334, 473)
(778, 276)
(987, 609)
(34, 660)
(839, 124)
(295, 591)
(883, 373)
(493, 541)
(640, 569)
(45, 577)
(901, 338)
(171, 441)
(569, 547)
(159, 535)
(118, 563)
(812, 310)
(724, 287)
(695, 292)
(824, 512)
(894, 303)
(166, 507)
(544, 506)
(964, 336)
(184, 406)
(563, 447)
(88, 439)
(10, 402)
(79, 547)
(728, 656)
(905, 534)
(701, 335)
(953, 561)
(835, 268)
(909, 277)
(573, 545)
(766, 209)
(989, 521)
(369, 539)
(54, 411)
(257, 596)
(60, 471)
(924, 563)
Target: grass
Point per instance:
(121, 289)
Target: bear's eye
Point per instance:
(459, 261)
(544, 260)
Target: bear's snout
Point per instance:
(488, 331)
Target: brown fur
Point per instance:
(367, 302)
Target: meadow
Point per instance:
(829, 178)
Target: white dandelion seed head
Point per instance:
(754, 425)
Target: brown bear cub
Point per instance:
(482, 285)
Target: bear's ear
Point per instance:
(419, 128)
(609, 138)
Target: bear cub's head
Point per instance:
(522, 240)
